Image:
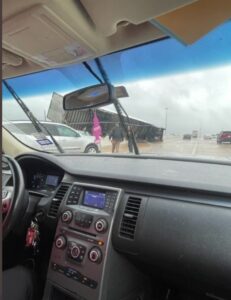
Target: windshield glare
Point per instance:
(178, 105)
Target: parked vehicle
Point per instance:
(187, 137)
(68, 138)
(224, 137)
(207, 137)
(195, 134)
(214, 136)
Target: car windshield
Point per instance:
(178, 102)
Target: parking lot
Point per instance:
(178, 146)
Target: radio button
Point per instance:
(101, 225)
(95, 255)
(92, 284)
(83, 220)
(75, 251)
(66, 216)
(60, 242)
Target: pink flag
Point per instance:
(96, 129)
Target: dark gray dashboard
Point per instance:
(183, 221)
(199, 175)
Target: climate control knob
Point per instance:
(95, 255)
(101, 225)
(75, 251)
(61, 242)
(67, 216)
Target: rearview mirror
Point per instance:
(93, 96)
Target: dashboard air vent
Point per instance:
(59, 196)
(130, 216)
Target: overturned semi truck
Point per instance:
(83, 120)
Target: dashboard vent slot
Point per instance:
(130, 216)
(56, 201)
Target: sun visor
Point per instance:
(132, 11)
(190, 23)
(39, 35)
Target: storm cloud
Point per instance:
(199, 100)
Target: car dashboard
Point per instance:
(119, 221)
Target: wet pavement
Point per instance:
(177, 146)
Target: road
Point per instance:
(177, 146)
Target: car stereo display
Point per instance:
(94, 199)
(52, 180)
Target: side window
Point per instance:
(65, 131)
(27, 128)
(52, 129)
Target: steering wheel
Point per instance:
(14, 202)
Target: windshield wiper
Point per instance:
(38, 126)
(119, 108)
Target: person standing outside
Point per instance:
(116, 137)
(130, 144)
(97, 131)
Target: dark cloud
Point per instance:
(194, 100)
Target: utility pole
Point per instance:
(166, 118)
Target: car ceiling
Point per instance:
(44, 34)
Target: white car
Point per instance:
(69, 139)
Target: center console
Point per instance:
(82, 241)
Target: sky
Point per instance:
(198, 100)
